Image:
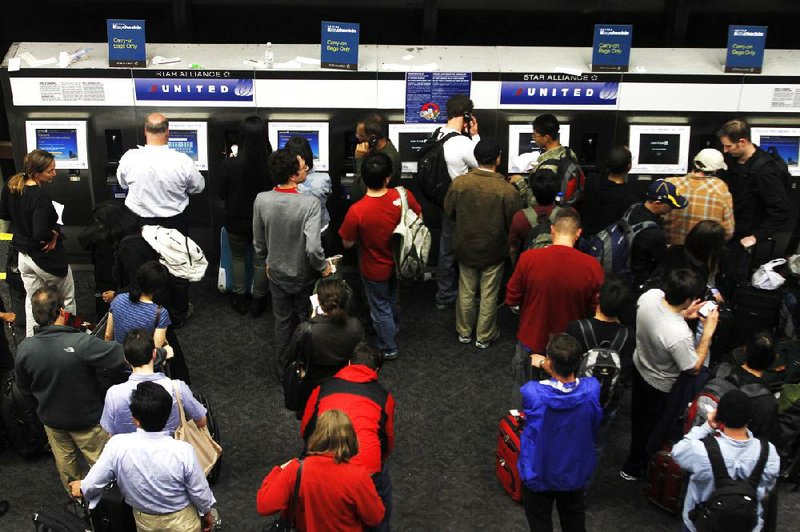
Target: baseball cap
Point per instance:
(710, 160)
(735, 409)
(665, 192)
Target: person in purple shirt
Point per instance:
(157, 475)
(140, 353)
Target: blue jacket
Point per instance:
(557, 445)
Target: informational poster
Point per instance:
(611, 51)
(126, 43)
(785, 98)
(216, 88)
(746, 49)
(339, 45)
(561, 90)
(427, 94)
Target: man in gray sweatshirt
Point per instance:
(286, 237)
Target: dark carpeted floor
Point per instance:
(450, 397)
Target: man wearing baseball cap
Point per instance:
(708, 197)
(739, 449)
(649, 248)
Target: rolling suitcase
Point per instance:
(755, 310)
(213, 429)
(59, 519)
(112, 513)
(225, 275)
(23, 428)
(666, 484)
(507, 454)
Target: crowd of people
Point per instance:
(513, 240)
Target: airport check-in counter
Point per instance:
(666, 108)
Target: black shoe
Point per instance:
(239, 303)
(258, 306)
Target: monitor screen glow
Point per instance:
(522, 151)
(65, 139)
(659, 149)
(316, 133)
(408, 138)
(783, 141)
(190, 138)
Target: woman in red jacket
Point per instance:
(334, 494)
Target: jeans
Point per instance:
(240, 244)
(384, 311)
(539, 509)
(446, 279)
(34, 278)
(289, 309)
(383, 485)
(469, 280)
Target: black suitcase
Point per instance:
(213, 429)
(23, 428)
(755, 310)
(112, 513)
(59, 519)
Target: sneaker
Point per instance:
(390, 355)
(628, 476)
(464, 339)
(490, 341)
(258, 306)
(240, 303)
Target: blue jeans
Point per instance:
(446, 277)
(383, 485)
(384, 311)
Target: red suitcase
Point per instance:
(510, 429)
(666, 484)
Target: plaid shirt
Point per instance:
(709, 199)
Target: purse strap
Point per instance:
(296, 496)
(180, 403)
(158, 317)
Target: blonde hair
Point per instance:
(35, 162)
(334, 434)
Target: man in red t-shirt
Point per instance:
(553, 286)
(370, 222)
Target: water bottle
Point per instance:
(269, 57)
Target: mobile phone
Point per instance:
(373, 141)
(467, 122)
(707, 307)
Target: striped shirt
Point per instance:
(709, 199)
(139, 315)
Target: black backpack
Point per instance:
(602, 360)
(772, 156)
(432, 175)
(734, 503)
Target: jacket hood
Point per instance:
(357, 373)
(560, 396)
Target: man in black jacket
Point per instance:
(758, 184)
(58, 367)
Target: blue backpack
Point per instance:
(612, 246)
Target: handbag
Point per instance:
(295, 385)
(766, 278)
(207, 450)
(282, 524)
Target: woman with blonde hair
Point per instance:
(324, 491)
(37, 235)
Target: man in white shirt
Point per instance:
(158, 178)
(460, 158)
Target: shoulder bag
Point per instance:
(207, 450)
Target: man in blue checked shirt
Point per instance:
(158, 476)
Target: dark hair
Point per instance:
(567, 220)
(459, 104)
(546, 124)
(334, 298)
(138, 346)
(545, 186)
(760, 351)
(367, 355)
(283, 165)
(46, 304)
(487, 150)
(375, 169)
(300, 146)
(126, 223)
(564, 353)
(101, 230)
(156, 128)
(254, 151)
(376, 125)
(150, 278)
(619, 160)
(615, 294)
(705, 242)
(151, 405)
(681, 285)
(735, 130)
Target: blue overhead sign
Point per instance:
(746, 49)
(611, 51)
(565, 92)
(126, 43)
(340, 45)
(427, 94)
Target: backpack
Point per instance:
(708, 398)
(539, 236)
(179, 253)
(411, 242)
(432, 175)
(602, 360)
(734, 503)
(773, 157)
(612, 246)
(570, 174)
